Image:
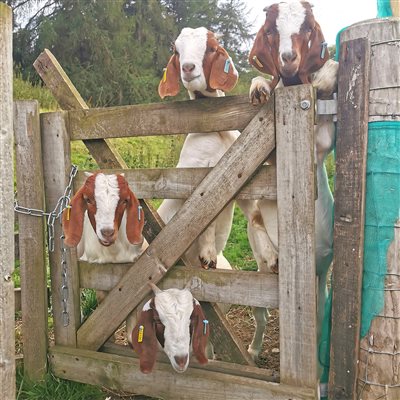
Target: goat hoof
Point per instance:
(207, 264)
(275, 268)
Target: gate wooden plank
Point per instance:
(228, 349)
(234, 169)
(102, 150)
(220, 286)
(213, 365)
(56, 170)
(29, 170)
(223, 113)
(348, 249)
(297, 291)
(179, 183)
(122, 373)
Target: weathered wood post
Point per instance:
(7, 344)
(377, 359)
(30, 189)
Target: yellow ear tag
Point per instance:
(164, 78)
(140, 334)
(68, 212)
(258, 62)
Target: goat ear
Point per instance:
(134, 220)
(169, 84)
(316, 55)
(261, 56)
(223, 74)
(73, 218)
(144, 341)
(201, 331)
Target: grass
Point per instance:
(53, 388)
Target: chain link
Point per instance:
(62, 204)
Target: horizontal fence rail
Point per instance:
(204, 115)
(179, 183)
(222, 286)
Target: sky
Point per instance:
(332, 15)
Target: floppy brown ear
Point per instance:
(134, 220)
(313, 61)
(261, 56)
(72, 219)
(169, 84)
(201, 331)
(223, 74)
(144, 341)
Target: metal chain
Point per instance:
(62, 204)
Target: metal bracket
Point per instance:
(328, 107)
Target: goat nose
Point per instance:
(181, 361)
(107, 232)
(188, 67)
(288, 57)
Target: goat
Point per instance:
(206, 70)
(174, 319)
(105, 222)
(290, 47)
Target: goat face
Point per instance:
(105, 198)
(200, 63)
(290, 45)
(176, 320)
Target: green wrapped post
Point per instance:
(380, 311)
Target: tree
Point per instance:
(235, 29)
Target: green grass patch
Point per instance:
(24, 90)
(237, 250)
(53, 388)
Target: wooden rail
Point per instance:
(220, 286)
(180, 183)
(122, 373)
(223, 114)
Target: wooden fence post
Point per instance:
(31, 238)
(7, 344)
(348, 242)
(56, 169)
(297, 281)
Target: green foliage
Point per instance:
(53, 388)
(88, 302)
(237, 250)
(25, 90)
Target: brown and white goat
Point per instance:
(205, 70)
(174, 320)
(105, 220)
(290, 47)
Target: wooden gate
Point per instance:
(81, 352)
